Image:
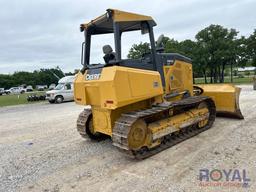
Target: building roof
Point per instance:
(246, 69)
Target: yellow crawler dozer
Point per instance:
(145, 105)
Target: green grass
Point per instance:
(236, 80)
(7, 100)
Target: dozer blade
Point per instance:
(226, 98)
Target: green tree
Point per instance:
(171, 45)
(251, 48)
(215, 49)
(220, 49)
(200, 61)
(38, 77)
(188, 48)
(242, 54)
(137, 51)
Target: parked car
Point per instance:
(15, 90)
(40, 87)
(29, 88)
(52, 86)
(64, 91)
(2, 91)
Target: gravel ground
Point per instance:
(41, 151)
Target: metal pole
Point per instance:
(232, 72)
(153, 47)
(117, 40)
(254, 83)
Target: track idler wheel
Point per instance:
(137, 135)
(85, 126)
(90, 131)
(210, 106)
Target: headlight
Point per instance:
(52, 94)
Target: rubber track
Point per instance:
(125, 122)
(81, 122)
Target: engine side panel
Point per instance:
(114, 87)
(178, 77)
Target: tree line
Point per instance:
(214, 49)
(37, 77)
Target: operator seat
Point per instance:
(109, 54)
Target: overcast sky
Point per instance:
(38, 34)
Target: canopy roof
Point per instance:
(127, 22)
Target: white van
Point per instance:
(64, 91)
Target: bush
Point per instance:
(240, 76)
(247, 73)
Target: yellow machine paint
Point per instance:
(118, 16)
(175, 123)
(117, 87)
(118, 90)
(122, 89)
(226, 98)
(179, 77)
(178, 80)
(148, 103)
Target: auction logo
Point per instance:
(224, 178)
